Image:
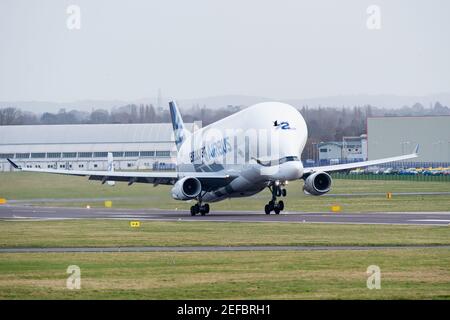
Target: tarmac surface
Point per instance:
(26, 213)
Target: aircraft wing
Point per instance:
(354, 165)
(209, 180)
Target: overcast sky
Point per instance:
(281, 49)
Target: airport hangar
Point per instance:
(391, 136)
(86, 146)
(388, 136)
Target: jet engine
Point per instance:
(186, 188)
(317, 183)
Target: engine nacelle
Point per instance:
(317, 183)
(186, 188)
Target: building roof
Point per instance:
(87, 133)
(335, 143)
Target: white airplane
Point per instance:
(256, 148)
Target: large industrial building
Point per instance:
(390, 136)
(85, 147)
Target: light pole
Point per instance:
(314, 145)
(403, 146)
(440, 151)
(448, 149)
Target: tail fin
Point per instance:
(179, 130)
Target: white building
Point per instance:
(330, 151)
(354, 148)
(350, 149)
(134, 146)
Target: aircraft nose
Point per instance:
(291, 170)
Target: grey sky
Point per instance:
(280, 49)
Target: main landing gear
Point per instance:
(274, 205)
(199, 208)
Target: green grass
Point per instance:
(411, 178)
(405, 274)
(14, 186)
(104, 233)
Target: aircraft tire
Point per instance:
(278, 192)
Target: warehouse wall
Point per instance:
(391, 136)
(85, 147)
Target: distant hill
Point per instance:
(214, 102)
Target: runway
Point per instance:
(27, 213)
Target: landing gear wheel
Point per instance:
(277, 209)
(202, 209)
(274, 205)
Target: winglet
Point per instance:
(13, 164)
(416, 149)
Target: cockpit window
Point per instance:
(277, 162)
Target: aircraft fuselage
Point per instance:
(259, 144)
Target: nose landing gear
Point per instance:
(274, 205)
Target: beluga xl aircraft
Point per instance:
(256, 148)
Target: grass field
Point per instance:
(415, 273)
(104, 233)
(405, 274)
(23, 185)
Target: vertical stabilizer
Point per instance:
(179, 130)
